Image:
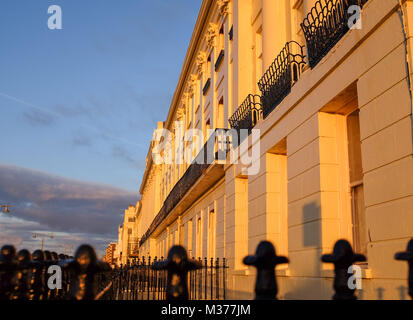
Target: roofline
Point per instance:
(202, 16)
(199, 25)
(147, 169)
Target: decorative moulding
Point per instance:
(192, 83)
(211, 34)
(200, 61)
(223, 6)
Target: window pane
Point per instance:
(359, 216)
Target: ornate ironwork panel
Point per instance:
(247, 115)
(325, 25)
(277, 81)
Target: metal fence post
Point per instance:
(342, 258)
(408, 257)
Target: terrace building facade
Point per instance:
(127, 246)
(331, 101)
(109, 256)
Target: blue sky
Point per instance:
(80, 104)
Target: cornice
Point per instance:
(224, 8)
(204, 12)
(190, 56)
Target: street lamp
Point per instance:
(5, 208)
(43, 237)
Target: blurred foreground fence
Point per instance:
(44, 275)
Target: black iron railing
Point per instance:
(325, 25)
(247, 115)
(26, 276)
(277, 81)
(215, 149)
(138, 281)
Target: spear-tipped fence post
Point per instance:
(22, 277)
(177, 265)
(7, 269)
(84, 268)
(343, 257)
(265, 260)
(217, 278)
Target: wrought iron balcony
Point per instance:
(325, 25)
(215, 148)
(284, 72)
(247, 115)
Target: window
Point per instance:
(258, 63)
(221, 38)
(211, 234)
(356, 183)
(190, 238)
(198, 237)
(182, 235)
(189, 111)
(207, 128)
(298, 15)
(220, 114)
(208, 71)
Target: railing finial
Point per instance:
(408, 257)
(177, 265)
(265, 260)
(343, 257)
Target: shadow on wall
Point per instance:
(309, 286)
(379, 293)
(403, 292)
(309, 289)
(239, 295)
(311, 226)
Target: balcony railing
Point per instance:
(215, 149)
(325, 25)
(283, 73)
(247, 115)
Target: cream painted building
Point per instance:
(335, 148)
(127, 246)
